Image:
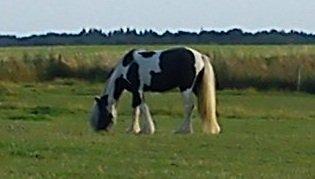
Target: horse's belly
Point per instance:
(161, 88)
(161, 82)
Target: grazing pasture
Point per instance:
(44, 132)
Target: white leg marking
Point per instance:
(148, 123)
(188, 107)
(135, 126)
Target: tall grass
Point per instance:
(261, 67)
(265, 67)
(47, 65)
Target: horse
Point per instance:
(141, 71)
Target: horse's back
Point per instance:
(177, 69)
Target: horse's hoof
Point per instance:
(183, 132)
(147, 131)
(214, 130)
(133, 131)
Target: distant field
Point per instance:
(261, 67)
(44, 133)
(44, 130)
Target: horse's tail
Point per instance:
(207, 99)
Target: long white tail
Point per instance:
(207, 99)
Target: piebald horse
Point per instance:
(140, 71)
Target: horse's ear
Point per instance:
(97, 99)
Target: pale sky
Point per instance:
(24, 17)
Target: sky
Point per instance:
(25, 17)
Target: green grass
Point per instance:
(44, 133)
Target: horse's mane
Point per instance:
(110, 73)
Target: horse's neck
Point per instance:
(110, 89)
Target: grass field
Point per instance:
(44, 133)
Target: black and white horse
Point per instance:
(158, 71)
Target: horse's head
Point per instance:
(102, 115)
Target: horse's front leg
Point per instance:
(135, 126)
(140, 108)
(148, 127)
(136, 101)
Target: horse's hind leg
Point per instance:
(188, 108)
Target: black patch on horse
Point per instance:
(119, 87)
(177, 70)
(128, 58)
(133, 78)
(133, 83)
(147, 54)
(136, 99)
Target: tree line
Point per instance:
(132, 36)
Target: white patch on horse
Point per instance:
(120, 70)
(199, 64)
(146, 65)
(124, 71)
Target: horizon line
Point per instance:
(160, 32)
